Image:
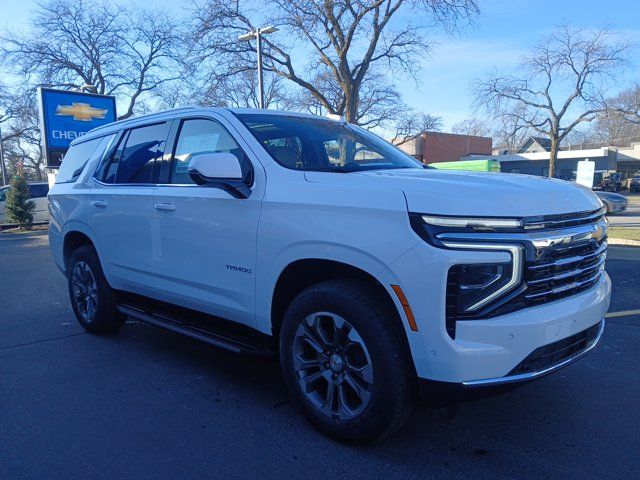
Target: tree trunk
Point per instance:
(350, 104)
(553, 156)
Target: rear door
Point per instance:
(205, 255)
(121, 207)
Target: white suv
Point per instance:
(368, 274)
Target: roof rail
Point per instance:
(147, 116)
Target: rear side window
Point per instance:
(199, 136)
(39, 190)
(133, 161)
(75, 160)
(3, 194)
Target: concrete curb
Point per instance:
(623, 242)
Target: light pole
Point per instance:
(3, 168)
(257, 34)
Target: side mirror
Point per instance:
(219, 170)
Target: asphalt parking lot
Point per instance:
(145, 403)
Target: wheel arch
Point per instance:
(72, 240)
(302, 273)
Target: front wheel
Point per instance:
(346, 363)
(91, 296)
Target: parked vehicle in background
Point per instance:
(634, 185)
(488, 165)
(612, 183)
(38, 192)
(261, 232)
(614, 202)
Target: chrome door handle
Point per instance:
(99, 203)
(165, 207)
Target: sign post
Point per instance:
(67, 115)
(585, 172)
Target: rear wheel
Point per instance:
(346, 363)
(91, 297)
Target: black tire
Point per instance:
(392, 392)
(91, 296)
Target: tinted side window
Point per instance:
(39, 190)
(75, 159)
(134, 160)
(3, 194)
(202, 136)
(286, 150)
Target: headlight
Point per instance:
(470, 287)
(477, 285)
(429, 227)
(474, 223)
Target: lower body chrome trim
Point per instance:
(533, 375)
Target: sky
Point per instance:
(502, 33)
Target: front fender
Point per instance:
(315, 250)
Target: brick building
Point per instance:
(433, 147)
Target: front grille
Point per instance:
(564, 220)
(564, 270)
(554, 353)
(549, 273)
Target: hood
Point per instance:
(446, 192)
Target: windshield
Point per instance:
(303, 143)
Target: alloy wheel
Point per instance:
(85, 290)
(333, 365)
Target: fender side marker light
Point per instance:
(405, 305)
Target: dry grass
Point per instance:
(626, 233)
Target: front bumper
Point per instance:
(589, 345)
(485, 351)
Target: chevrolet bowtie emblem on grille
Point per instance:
(82, 112)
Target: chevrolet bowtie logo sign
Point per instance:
(82, 112)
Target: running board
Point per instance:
(219, 339)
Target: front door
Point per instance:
(205, 254)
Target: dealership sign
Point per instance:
(65, 116)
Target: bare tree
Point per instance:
(21, 132)
(508, 132)
(122, 51)
(613, 128)
(240, 90)
(559, 85)
(25, 149)
(627, 104)
(415, 124)
(348, 42)
(619, 124)
(473, 126)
